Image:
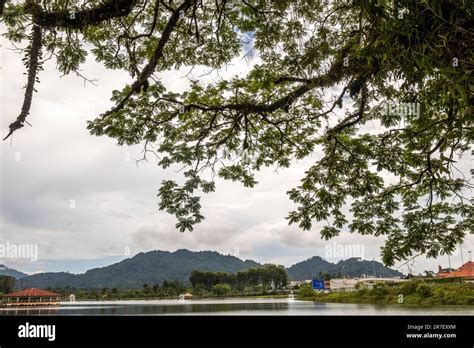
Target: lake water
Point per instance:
(233, 306)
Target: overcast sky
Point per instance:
(84, 201)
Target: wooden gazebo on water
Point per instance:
(31, 297)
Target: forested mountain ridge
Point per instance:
(353, 267)
(154, 267)
(5, 271)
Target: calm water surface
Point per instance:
(233, 306)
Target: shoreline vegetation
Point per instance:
(412, 292)
(213, 297)
(266, 281)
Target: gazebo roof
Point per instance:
(32, 292)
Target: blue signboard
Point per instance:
(318, 284)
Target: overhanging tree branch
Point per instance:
(72, 19)
(334, 75)
(34, 54)
(142, 80)
(69, 19)
(2, 5)
(261, 120)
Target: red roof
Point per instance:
(32, 292)
(466, 270)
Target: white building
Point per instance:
(349, 284)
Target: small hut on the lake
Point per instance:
(31, 297)
(186, 296)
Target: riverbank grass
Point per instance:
(414, 292)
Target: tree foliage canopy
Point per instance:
(269, 275)
(390, 174)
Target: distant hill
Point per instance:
(352, 267)
(151, 268)
(154, 267)
(4, 270)
(309, 268)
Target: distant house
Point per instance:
(327, 284)
(466, 271)
(352, 284)
(294, 283)
(186, 296)
(31, 297)
(343, 284)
